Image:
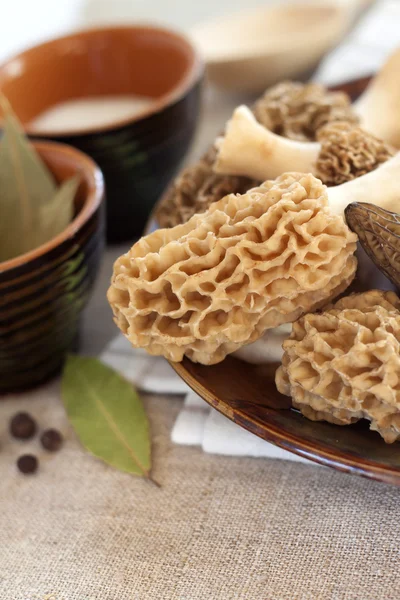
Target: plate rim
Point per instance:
(287, 441)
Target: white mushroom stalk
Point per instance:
(379, 106)
(380, 187)
(251, 150)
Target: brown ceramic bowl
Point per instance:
(139, 154)
(247, 395)
(43, 292)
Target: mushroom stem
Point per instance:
(379, 187)
(249, 149)
(378, 107)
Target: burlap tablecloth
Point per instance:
(219, 528)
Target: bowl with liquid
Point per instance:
(126, 96)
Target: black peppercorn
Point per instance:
(22, 426)
(27, 464)
(51, 440)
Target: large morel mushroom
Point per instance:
(343, 365)
(249, 263)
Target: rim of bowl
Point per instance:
(190, 77)
(91, 204)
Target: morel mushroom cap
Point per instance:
(344, 364)
(348, 152)
(196, 188)
(378, 231)
(297, 110)
(249, 263)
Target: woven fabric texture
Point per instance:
(220, 528)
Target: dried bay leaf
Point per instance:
(57, 214)
(18, 158)
(25, 185)
(27, 191)
(107, 415)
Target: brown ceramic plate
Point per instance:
(247, 395)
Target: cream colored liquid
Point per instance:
(89, 113)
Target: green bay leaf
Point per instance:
(31, 206)
(107, 414)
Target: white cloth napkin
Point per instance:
(365, 49)
(148, 373)
(197, 424)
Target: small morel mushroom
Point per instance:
(196, 188)
(343, 365)
(348, 152)
(249, 263)
(343, 153)
(378, 231)
(297, 110)
(249, 149)
(289, 109)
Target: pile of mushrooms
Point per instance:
(250, 149)
(240, 265)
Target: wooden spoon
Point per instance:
(249, 51)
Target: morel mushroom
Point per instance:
(249, 263)
(298, 110)
(196, 188)
(343, 365)
(342, 153)
(250, 149)
(379, 234)
(348, 152)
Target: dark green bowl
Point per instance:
(138, 155)
(43, 292)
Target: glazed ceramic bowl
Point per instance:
(139, 154)
(43, 292)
